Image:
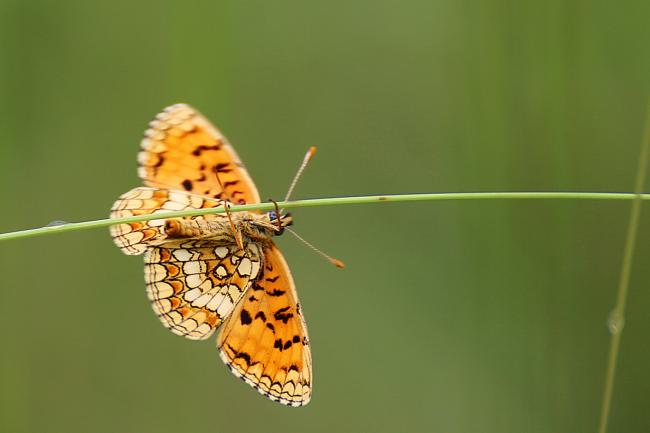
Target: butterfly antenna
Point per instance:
(308, 156)
(336, 262)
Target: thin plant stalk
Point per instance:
(61, 227)
(616, 320)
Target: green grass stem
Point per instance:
(338, 201)
(616, 320)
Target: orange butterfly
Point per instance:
(205, 271)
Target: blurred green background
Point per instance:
(483, 316)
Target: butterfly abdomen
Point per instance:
(182, 228)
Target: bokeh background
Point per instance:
(482, 316)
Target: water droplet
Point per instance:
(615, 322)
(56, 223)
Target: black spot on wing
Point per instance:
(276, 292)
(245, 356)
(245, 318)
(200, 149)
(282, 310)
(158, 163)
(283, 315)
(222, 167)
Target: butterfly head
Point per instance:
(279, 220)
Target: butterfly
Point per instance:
(211, 271)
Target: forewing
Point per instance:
(182, 150)
(265, 339)
(193, 285)
(134, 238)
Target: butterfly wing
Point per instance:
(194, 284)
(134, 238)
(183, 151)
(264, 341)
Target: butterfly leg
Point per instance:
(235, 232)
